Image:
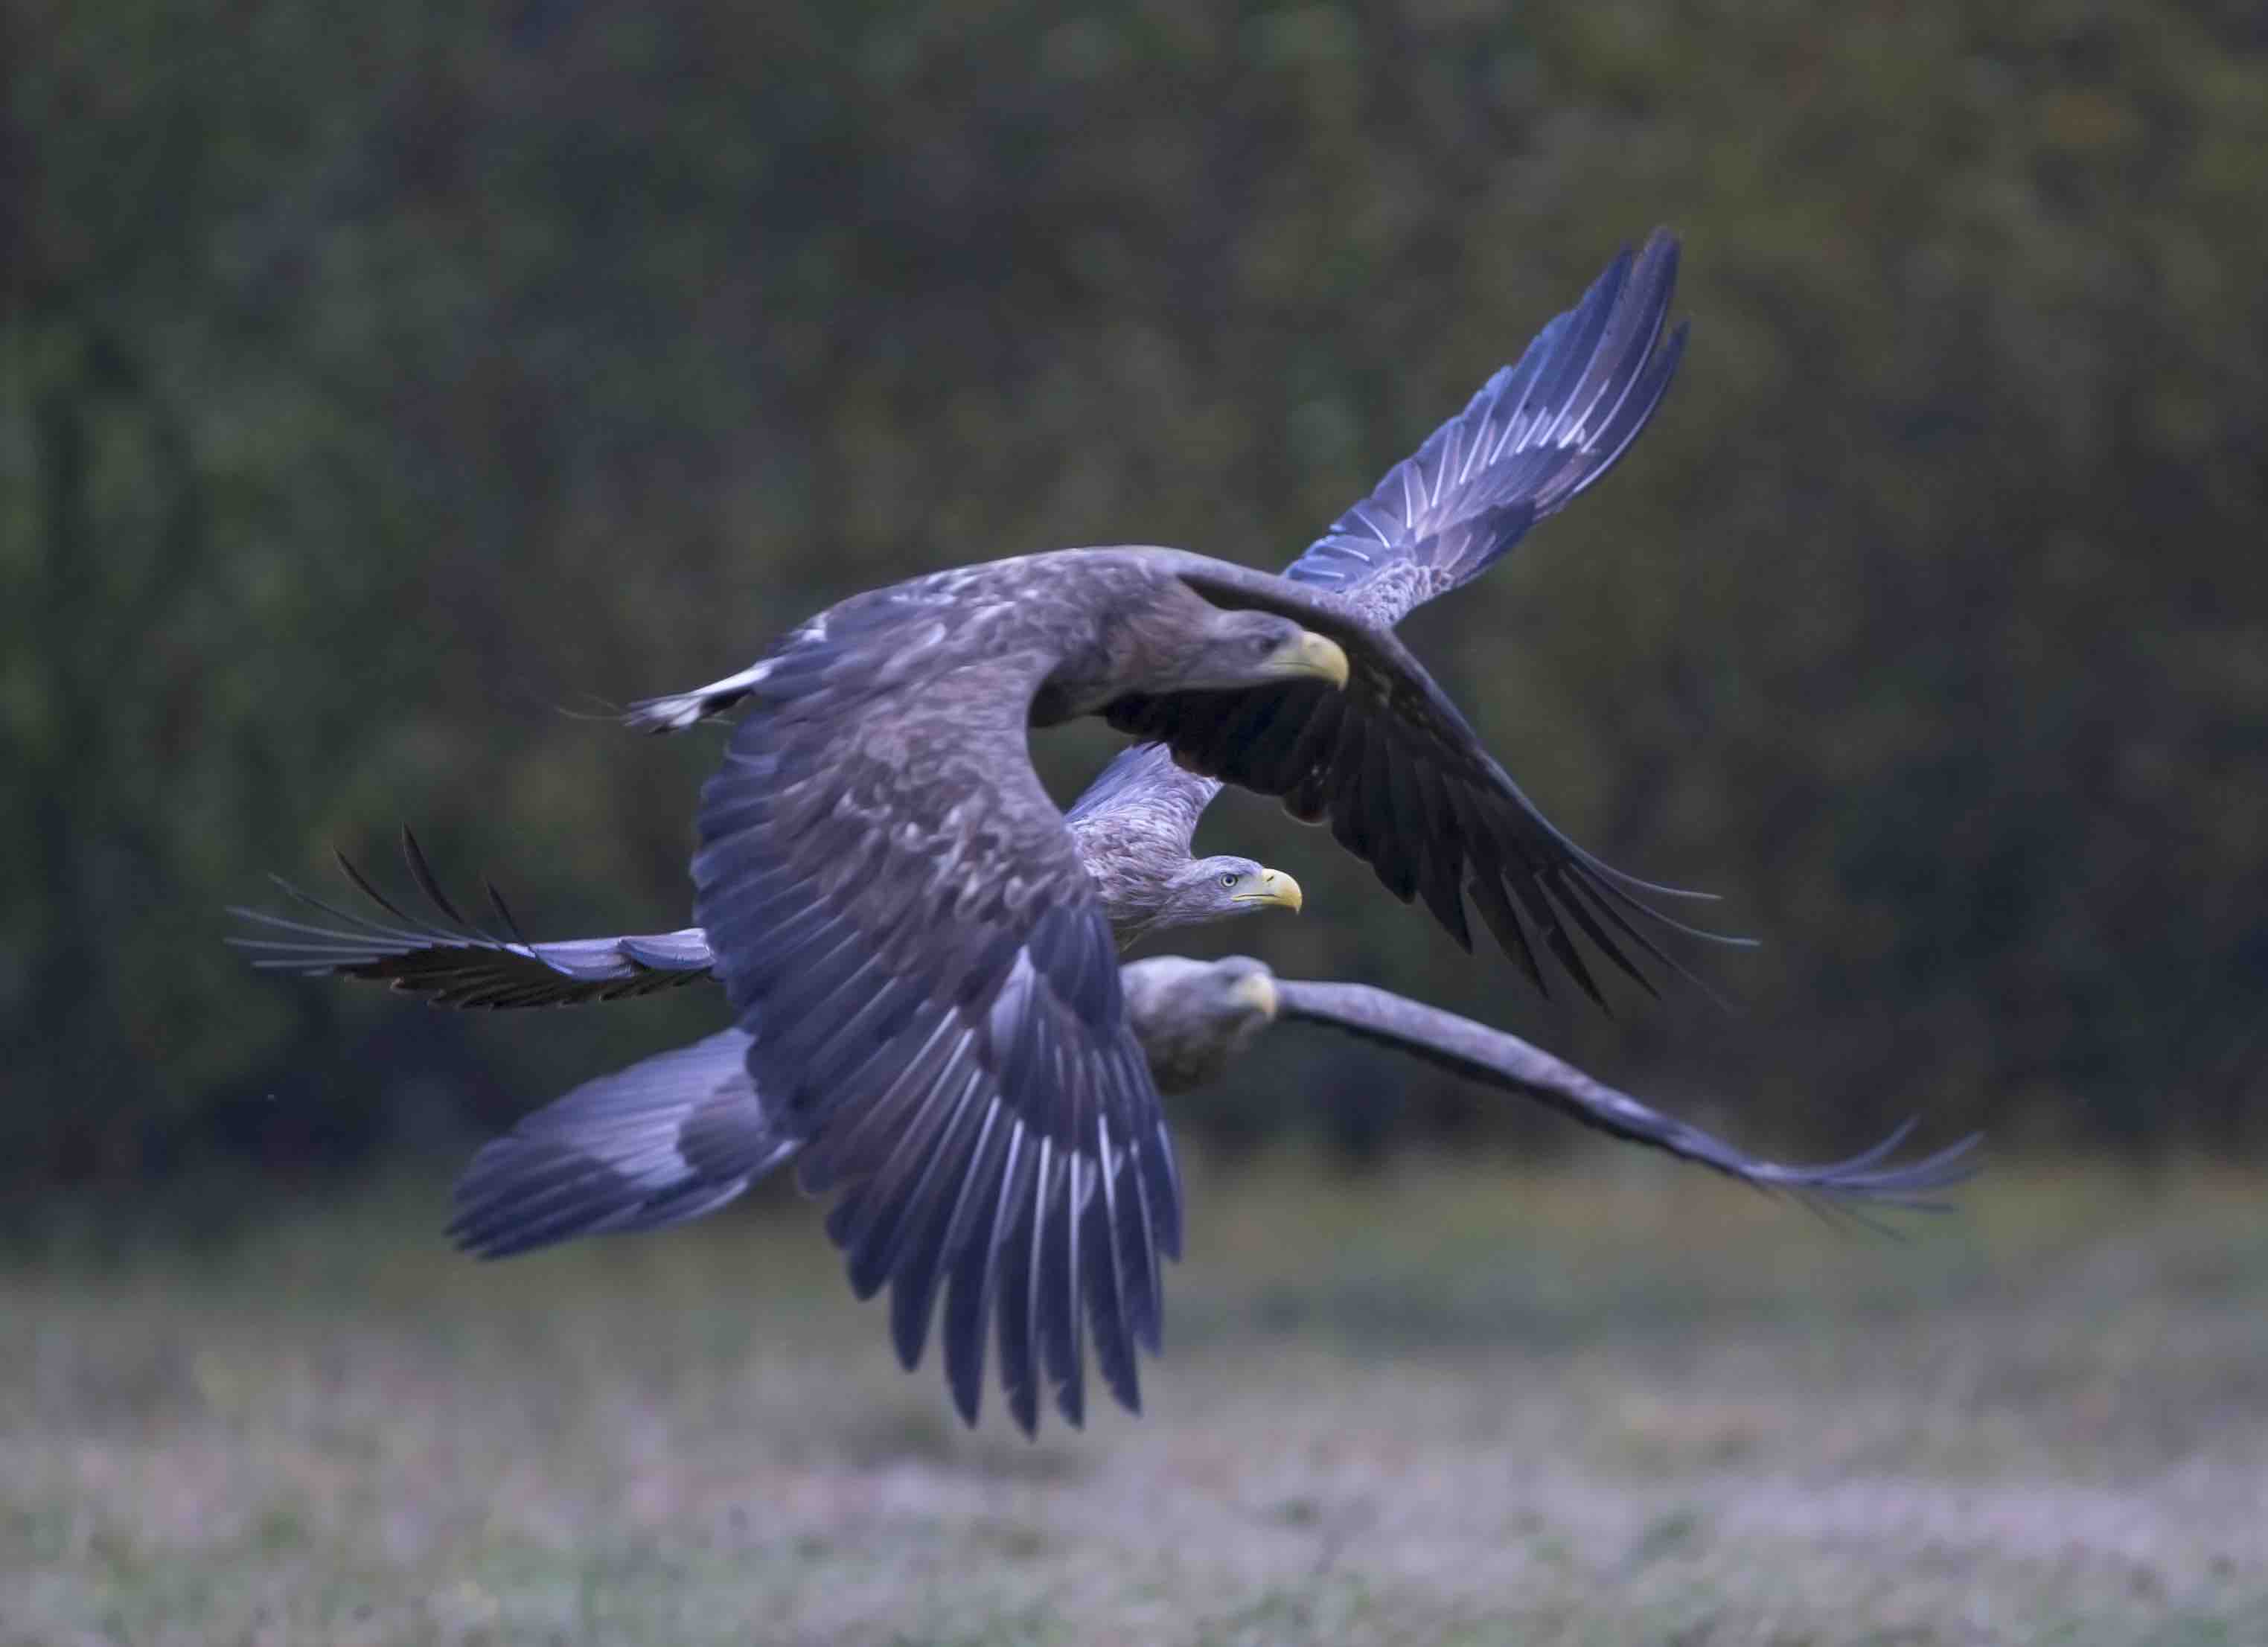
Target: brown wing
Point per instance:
(455, 961)
(1539, 433)
(1405, 784)
(904, 930)
(671, 1138)
(1505, 1062)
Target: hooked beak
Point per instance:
(1256, 990)
(1276, 890)
(1310, 656)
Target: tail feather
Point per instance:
(677, 710)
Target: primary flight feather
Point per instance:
(681, 1134)
(920, 949)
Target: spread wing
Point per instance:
(1504, 1062)
(1539, 432)
(1143, 782)
(1407, 786)
(903, 927)
(1141, 801)
(670, 1138)
(455, 961)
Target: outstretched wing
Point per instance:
(1141, 807)
(1143, 782)
(1512, 1065)
(670, 1138)
(1406, 785)
(455, 961)
(1538, 433)
(905, 928)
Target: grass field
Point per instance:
(1451, 1405)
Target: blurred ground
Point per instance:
(1455, 1404)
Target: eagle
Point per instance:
(1388, 763)
(679, 1134)
(920, 948)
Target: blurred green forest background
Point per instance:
(378, 383)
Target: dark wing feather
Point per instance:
(1407, 786)
(670, 1138)
(1511, 1064)
(904, 926)
(453, 962)
(1539, 432)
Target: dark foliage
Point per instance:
(376, 384)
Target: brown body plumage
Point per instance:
(919, 949)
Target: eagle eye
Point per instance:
(1229, 880)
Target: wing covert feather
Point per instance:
(1404, 783)
(1539, 432)
(903, 927)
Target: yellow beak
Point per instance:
(1274, 890)
(1311, 655)
(1258, 990)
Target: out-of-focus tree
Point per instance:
(376, 385)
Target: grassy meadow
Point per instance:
(1457, 1404)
